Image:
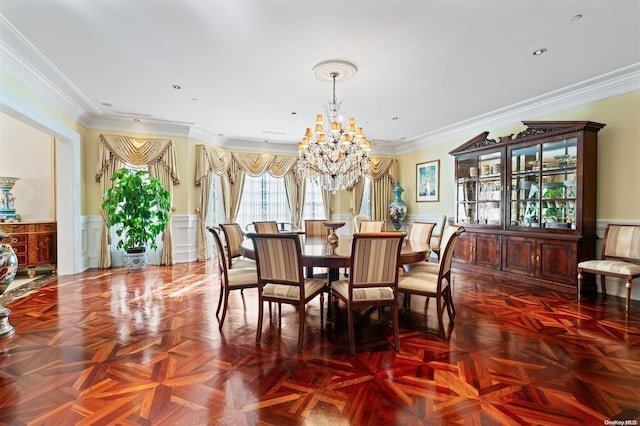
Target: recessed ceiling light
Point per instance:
(176, 86)
(395, 118)
(539, 52)
(194, 99)
(575, 18)
(293, 113)
(107, 104)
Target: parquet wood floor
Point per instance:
(111, 347)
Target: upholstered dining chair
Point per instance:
(620, 258)
(281, 280)
(230, 279)
(233, 237)
(423, 281)
(436, 236)
(421, 232)
(266, 227)
(314, 228)
(371, 226)
(373, 280)
(356, 221)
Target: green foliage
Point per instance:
(138, 203)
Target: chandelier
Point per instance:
(334, 155)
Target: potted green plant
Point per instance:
(140, 206)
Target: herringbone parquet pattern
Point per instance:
(111, 347)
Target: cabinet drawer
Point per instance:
(45, 227)
(16, 239)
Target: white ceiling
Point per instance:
(244, 66)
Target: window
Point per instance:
(215, 209)
(313, 204)
(365, 208)
(263, 198)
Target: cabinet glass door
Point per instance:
(558, 195)
(479, 187)
(543, 185)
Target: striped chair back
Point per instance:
(374, 259)
(621, 241)
(371, 226)
(220, 254)
(315, 228)
(421, 231)
(267, 227)
(233, 236)
(449, 239)
(278, 258)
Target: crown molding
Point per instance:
(618, 82)
(22, 60)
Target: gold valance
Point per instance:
(137, 152)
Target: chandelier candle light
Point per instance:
(332, 155)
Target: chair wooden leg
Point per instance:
(628, 285)
(301, 311)
(603, 284)
(579, 285)
(322, 310)
(279, 315)
(396, 327)
(451, 310)
(224, 310)
(220, 299)
(440, 313)
(259, 329)
(352, 339)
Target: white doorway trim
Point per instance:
(67, 177)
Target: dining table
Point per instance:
(317, 252)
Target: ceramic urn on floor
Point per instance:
(8, 269)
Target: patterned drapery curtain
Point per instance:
(381, 175)
(232, 168)
(357, 191)
(160, 158)
(295, 190)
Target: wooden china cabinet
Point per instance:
(34, 244)
(528, 202)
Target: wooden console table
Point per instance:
(34, 244)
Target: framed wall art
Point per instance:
(428, 181)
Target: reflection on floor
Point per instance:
(24, 285)
(108, 347)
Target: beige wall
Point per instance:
(618, 180)
(184, 200)
(27, 154)
(618, 157)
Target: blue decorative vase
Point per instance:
(397, 208)
(7, 200)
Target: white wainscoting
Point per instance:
(183, 231)
(185, 238)
(615, 286)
